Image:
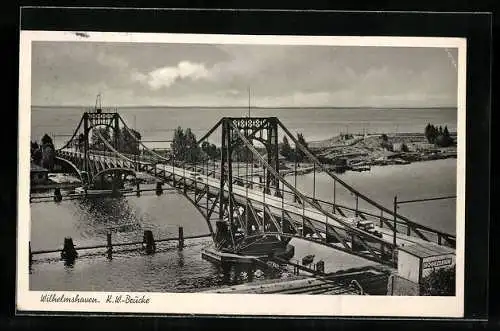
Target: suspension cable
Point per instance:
(313, 158)
(305, 199)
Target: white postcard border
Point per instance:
(235, 304)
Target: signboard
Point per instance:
(437, 263)
(414, 268)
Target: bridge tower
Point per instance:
(95, 119)
(265, 131)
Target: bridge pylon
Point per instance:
(265, 131)
(92, 120)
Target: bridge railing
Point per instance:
(403, 223)
(379, 250)
(377, 216)
(383, 220)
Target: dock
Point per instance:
(213, 255)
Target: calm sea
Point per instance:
(316, 124)
(173, 271)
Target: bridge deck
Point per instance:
(275, 204)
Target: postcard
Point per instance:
(241, 174)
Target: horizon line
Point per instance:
(252, 107)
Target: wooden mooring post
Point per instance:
(320, 266)
(181, 238)
(159, 188)
(110, 246)
(57, 195)
(149, 242)
(69, 253)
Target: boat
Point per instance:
(100, 192)
(401, 161)
(360, 168)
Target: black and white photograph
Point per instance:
(329, 169)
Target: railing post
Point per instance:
(357, 198)
(334, 194)
(395, 227)
(314, 181)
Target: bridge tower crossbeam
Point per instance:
(265, 131)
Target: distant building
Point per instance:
(38, 175)
(397, 147)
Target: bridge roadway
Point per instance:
(275, 204)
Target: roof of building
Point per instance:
(37, 168)
(427, 250)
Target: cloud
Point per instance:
(278, 75)
(108, 60)
(167, 76)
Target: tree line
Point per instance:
(438, 136)
(293, 154)
(128, 141)
(185, 148)
(44, 154)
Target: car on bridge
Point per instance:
(369, 227)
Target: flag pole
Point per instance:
(249, 101)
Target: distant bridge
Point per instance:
(270, 207)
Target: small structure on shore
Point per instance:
(38, 175)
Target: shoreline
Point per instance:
(307, 168)
(360, 152)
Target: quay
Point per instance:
(357, 281)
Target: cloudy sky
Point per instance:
(73, 73)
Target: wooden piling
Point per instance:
(320, 266)
(149, 242)
(159, 188)
(57, 195)
(138, 190)
(69, 252)
(110, 246)
(181, 238)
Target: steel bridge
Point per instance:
(251, 195)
